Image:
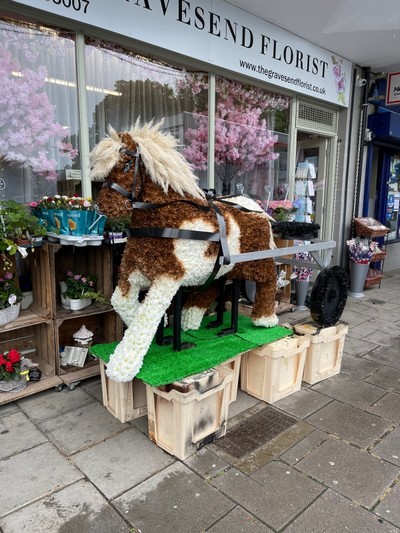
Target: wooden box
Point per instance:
(324, 354)
(275, 370)
(126, 401)
(182, 422)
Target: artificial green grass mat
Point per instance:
(162, 365)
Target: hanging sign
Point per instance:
(393, 89)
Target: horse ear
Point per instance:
(105, 155)
(113, 134)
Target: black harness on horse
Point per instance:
(223, 257)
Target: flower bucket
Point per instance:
(9, 313)
(47, 215)
(358, 273)
(301, 295)
(77, 304)
(61, 221)
(77, 222)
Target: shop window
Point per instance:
(39, 132)
(123, 87)
(251, 132)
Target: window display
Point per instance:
(39, 132)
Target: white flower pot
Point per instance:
(9, 313)
(76, 305)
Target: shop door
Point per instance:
(315, 151)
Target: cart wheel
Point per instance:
(329, 296)
(58, 388)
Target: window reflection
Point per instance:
(38, 111)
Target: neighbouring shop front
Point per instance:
(382, 176)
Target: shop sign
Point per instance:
(393, 89)
(221, 35)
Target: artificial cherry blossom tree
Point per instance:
(29, 133)
(243, 140)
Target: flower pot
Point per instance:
(64, 300)
(9, 313)
(358, 273)
(13, 385)
(301, 295)
(76, 305)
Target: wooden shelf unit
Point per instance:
(40, 330)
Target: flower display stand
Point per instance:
(324, 354)
(126, 401)
(275, 370)
(188, 414)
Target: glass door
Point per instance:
(311, 179)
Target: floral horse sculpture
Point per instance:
(179, 238)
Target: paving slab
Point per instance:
(302, 403)
(387, 378)
(18, 433)
(350, 423)
(349, 471)
(386, 355)
(304, 447)
(49, 404)
(9, 408)
(274, 495)
(333, 513)
(389, 508)
(174, 500)
(120, 463)
(387, 407)
(93, 387)
(358, 367)
(32, 474)
(243, 402)
(81, 428)
(350, 390)
(206, 463)
(78, 508)
(239, 521)
(388, 448)
(384, 314)
(355, 346)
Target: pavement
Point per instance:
(67, 465)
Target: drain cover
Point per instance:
(254, 432)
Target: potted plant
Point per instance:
(80, 291)
(10, 298)
(115, 227)
(18, 226)
(13, 371)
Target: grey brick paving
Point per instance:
(68, 466)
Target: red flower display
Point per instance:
(10, 365)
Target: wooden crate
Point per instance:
(275, 370)
(324, 354)
(234, 365)
(126, 401)
(182, 422)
